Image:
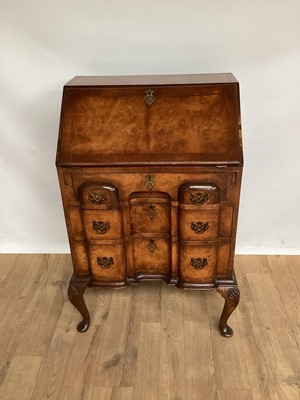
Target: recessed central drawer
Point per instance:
(150, 213)
(151, 256)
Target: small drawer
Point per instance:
(197, 264)
(199, 194)
(107, 262)
(150, 214)
(152, 255)
(198, 225)
(98, 196)
(102, 224)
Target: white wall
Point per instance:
(45, 43)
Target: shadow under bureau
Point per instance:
(150, 171)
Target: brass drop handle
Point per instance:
(105, 262)
(199, 227)
(150, 210)
(101, 227)
(152, 245)
(199, 263)
(97, 198)
(199, 198)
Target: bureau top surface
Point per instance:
(129, 80)
(145, 120)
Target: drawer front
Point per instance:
(151, 256)
(199, 194)
(102, 224)
(98, 196)
(197, 264)
(198, 225)
(150, 214)
(107, 262)
(150, 182)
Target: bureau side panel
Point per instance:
(74, 225)
(227, 251)
(235, 180)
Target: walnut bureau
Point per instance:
(150, 171)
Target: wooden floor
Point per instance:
(149, 341)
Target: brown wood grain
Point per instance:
(113, 124)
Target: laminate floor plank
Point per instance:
(259, 264)
(151, 301)
(122, 393)
(282, 351)
(78, 366)
(194, 306)
(18, 300)
(98, 303)
(114, 354)
(254, 341)
(228, 362)
(172, 360)
(24, 276)
(20, 378)
(112, 393)
(90, 364)
(148, 372)
(101, 393)
(53, 370)
(235, 395)
(293, 265)
(284, 284)
(200, 371)
(242, 268)
(48, 302)
(254, 347)
(132, 339)
(6, 264)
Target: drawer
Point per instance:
(150, 181)
(102, 224)
(202, 224)
(152, 255)
(197, 264)
(150, 213)
(199, 194)
(95, 195)
(107, 262)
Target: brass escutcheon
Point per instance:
(149, 98)
(97, 198)
(152, 245)
(199, 198)
(199, 263)
(105, 262)
(151, 211)
(149, 181)
(101, 227)
(199, 227)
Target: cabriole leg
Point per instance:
(77, 287)
(232, 298)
